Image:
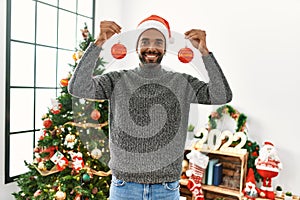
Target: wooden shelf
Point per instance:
(234, 161)
(218, 189)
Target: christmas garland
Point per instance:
(240, 118)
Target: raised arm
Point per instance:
(217, 90)
(82, 83)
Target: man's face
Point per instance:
(151, 46)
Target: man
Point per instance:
(149, 109)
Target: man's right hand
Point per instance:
(107, 30)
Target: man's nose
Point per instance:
(152, 45)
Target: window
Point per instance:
(41, 38)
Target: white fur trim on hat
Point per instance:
(158, 23)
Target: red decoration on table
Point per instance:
(118, 51)
(185, 55)
(251, 191)
(268, 166)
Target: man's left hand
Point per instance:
(198, 40)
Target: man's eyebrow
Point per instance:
(159, 40)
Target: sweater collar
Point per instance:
(148, 71)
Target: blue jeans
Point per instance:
(121, 190)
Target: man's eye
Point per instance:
(159, 43)
(145, 42)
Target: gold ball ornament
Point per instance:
(60, 195)
(96, 153)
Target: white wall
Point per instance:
(5, 189)
(257, 44)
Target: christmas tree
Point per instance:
(71, 156)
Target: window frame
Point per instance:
(8, 86)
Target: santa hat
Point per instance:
(250, 176)
(159, 23)
(269, 143)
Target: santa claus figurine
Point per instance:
(268, 166)
(251, 191)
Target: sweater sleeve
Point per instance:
(84, 85)
(217, 90)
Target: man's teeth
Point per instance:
(151, 56)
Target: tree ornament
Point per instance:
(47, 123)
(77, 161)
(60, 195)
(60, 160)
(86, 177)
(118, 51)
(42, 166)
(95, 114)
(96, 153)
(77, 197)
(56, 106)
(185, 55)
(64, 82)
(94, 190)
(70, 141)
(37, 193)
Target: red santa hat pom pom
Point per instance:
(159, 23)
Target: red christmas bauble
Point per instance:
(64, 82)
(185, 55)
(118, 51)
(78, 197)
(95, 114)
(47, 123)
(55, 111)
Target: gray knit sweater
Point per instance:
(149, 109)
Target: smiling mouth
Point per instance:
(151, 56)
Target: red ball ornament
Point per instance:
(47, 123)
(185, 55)
(95, 114)
(64, 82)
(78, 197)
(118, 51)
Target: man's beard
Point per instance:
(150, 64)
